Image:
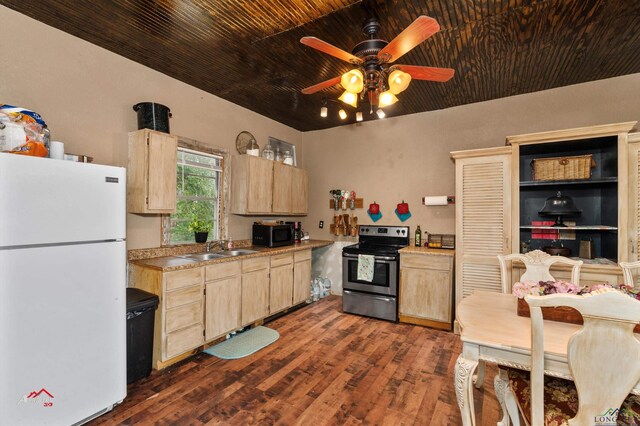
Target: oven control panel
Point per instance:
(384, 231)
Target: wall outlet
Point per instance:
(321, 224)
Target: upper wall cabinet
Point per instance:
(251, 185)
(265, 187)
(151, 172)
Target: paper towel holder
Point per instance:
(438, 200)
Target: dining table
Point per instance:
(492, 332)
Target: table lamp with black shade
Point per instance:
(559, 206)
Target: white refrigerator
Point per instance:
(62, 290)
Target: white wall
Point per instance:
(408, 157)
(86, 93)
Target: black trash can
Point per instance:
(141, 307)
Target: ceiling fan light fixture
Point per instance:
(342, 113)
(353, 81)
(349, 98)
(398, 81)
(380, 113)
(386, 98)
(359, 116)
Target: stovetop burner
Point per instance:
(380, 240)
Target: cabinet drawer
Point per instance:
(281, 259)
(425, 261)
(184, 278)
(255, 264)
(301, 255)
(184, 340)
(183, 296)
(222, 270)
(183, 316)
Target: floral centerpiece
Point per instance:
(562, 313)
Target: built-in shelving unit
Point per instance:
(574, 228)
(582, 182)
(596, 197)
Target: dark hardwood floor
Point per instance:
(326, 368)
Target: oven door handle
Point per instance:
(355, 256)
(384, 299)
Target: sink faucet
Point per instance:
(211, 244)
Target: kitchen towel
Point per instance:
(365, 267)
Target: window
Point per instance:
(199, 193)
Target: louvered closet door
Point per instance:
(634, 196)
(483, 222)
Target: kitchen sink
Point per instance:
(237, 252)
(201, 257)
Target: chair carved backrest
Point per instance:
(537, 263)
(627, 272)
(603, 377)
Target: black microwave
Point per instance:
(272, 235)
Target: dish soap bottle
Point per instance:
(418, 238)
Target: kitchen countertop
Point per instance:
(175, 263)
(427, 251)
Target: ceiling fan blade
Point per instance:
(330, 49)
(419, 30)
(427, 73)
(317, 87)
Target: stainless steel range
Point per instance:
(378, 297)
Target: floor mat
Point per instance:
(244, 344)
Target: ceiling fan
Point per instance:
(375, 75)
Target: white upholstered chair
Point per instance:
(628, 269)
(603, 360)
(537, 265)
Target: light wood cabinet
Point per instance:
(151, 172)
(301, 276)
(201, 304)
(179, 319)
(634, 197)
(483, 218)
(281, 283)
(299, 191)
(260, 186)
(223, 299)
(493, 219)
(282, 188)
(426, 290)
(255, 290)
(251, 185)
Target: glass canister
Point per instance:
(278, 155)
(253, 148)
(268, 153)
(287, 158)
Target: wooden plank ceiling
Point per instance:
(248, 51)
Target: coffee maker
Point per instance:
(297, 231)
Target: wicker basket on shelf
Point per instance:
(563, 168)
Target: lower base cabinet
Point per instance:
(426, 290)
(281, 283)
(301, 276)
(201, 304)
(255, 289)
(223, 299)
